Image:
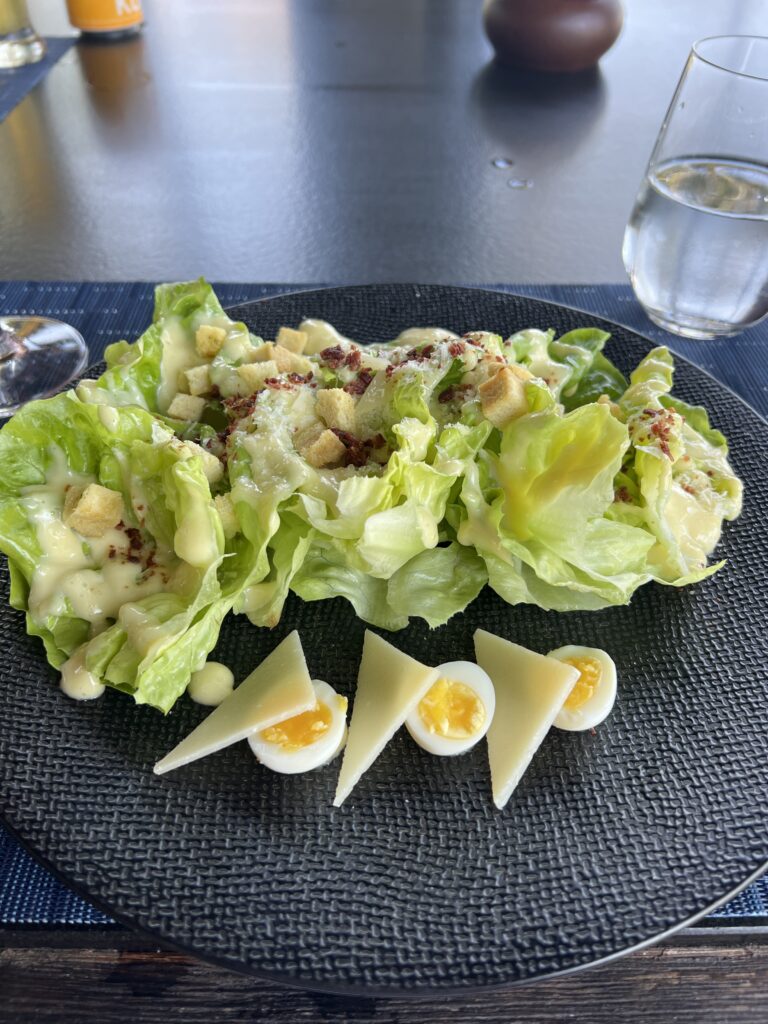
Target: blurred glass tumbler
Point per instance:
(19, 43)
(696, 246)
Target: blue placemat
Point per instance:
(15, 83)
(107, 312)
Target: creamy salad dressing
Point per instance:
(76, 681)
(179, 354)
(109, 418)
(82, 572)
(195, 541)
(93, 576)
(320, 335)
(211, 684)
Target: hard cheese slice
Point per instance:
(530, 690)
(389, 686)
(279, 688)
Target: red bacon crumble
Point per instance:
(622, 494)
(455, 391)
(457, 348)
(360, 384)
(419, 355)
(333, 356)
(357, 450)
(353, 359)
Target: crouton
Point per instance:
(521, 372)
(94, 511)
(212, 467)
(226, 509)
(252, 376)
(336, 408)
(613, 406)
(287, 361)
(327, 450)
(209, 340)
(294, 341)
(503, 397)
(186, 407)
(198, 379)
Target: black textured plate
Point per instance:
(418, 884)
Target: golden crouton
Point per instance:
(615, 409)
(294, 341)
(212, 467)
(253, 375)
(198, 379)
(327, 450)
(336, 408)
(287, 361)
(186, 407)
(226, 509)
(93, 512)
(521, 372)
(503, 397)
(209, 340)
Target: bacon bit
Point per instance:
(239, 408)
(622, 494)
(355, 454)
(390, 370)
(135, 541)
(471, 340)
(660, 430)
(300, 378)
(357, 450)
(457, 348)
(360, 384)
(688, 489)
(710, 473)
(214, 391)
(333, 356)
(278, 385)
(353, 359)
(454, 391)
(112, 551)
(420, 355)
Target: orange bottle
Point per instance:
(111, 18)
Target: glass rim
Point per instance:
(695, 49)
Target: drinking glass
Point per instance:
(696, 246)
(19, 43)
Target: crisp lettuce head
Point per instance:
(587, 487)
(131, 596)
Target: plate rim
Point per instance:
(352, 990)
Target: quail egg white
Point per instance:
(306, 741)
(590, 701)
(456, 711)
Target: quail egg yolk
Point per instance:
(588, 681)
(452, 710)
(300, 731)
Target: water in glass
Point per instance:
(696, 247)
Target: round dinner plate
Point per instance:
(418, 884)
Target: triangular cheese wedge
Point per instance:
(389, 686)
(530, 690)
(279, 688)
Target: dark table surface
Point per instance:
(335, 141)
(342, 141)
